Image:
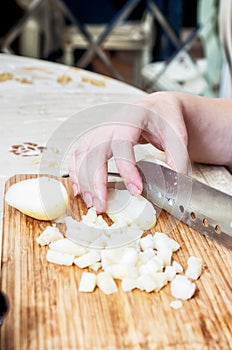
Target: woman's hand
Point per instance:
(156, 118)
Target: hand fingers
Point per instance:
(122, 148)
(100, 180)
(77, 156)
(93, 177)
(176, 154)
(170, 136)
(88, 168)
(173, 141)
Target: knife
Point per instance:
(200, 206)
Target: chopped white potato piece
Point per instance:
(133, 233)
(177, 267)
(176, 304)
(182, 287)
(106, 283)
(118, 239)
(194, 268)
(50, 234)
(59, 258)
(129, 256)
(60, 219)
(87, 282)
(160, 279)
(128, 284)
(146, 255)
(87, 259)
(96, 266)
(146, 242)
(170, 272)
(146, 282)
(123, 255)
(101, 223)
(151, 266)
(90, 217)
(119, 223)
(68, 247)
(111, 256)
(130, 209)
(165, 255)
(161, 240)
(120, 271)
(81, 232)
(42, 198)
(100, 242)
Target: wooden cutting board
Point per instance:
(48, 312)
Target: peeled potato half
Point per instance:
(42, 198)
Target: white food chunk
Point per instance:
(87, 259)
(146, 282)
(170, 272)
(176, 304)
(130, 209)
(146, 255)
(111, 256)
(165, 255)
(177, 267)
(106, 283)
(146, 242)
(50, 234)
(118, 239)
(101, 223)
(68, 247)
(182, 287)
(161, 240)
(119, 223)
(151, 266)
(120, 271)
(133, 233)
(99, 243)
(129, 256)
(59, 258)
(160, 279)
(128, 284)
(87, 282)
(81, 232)
(90, 217)
(194, 268)
(96, 266)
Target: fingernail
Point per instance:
(75, 189)
(134, 190)
(88, 199)
(97, 205)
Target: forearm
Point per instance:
(209, 127)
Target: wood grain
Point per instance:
(48, 312)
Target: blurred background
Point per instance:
(151, 44)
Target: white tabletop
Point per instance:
(37, 101)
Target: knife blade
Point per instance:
(200, 206)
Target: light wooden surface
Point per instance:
(48, 312)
